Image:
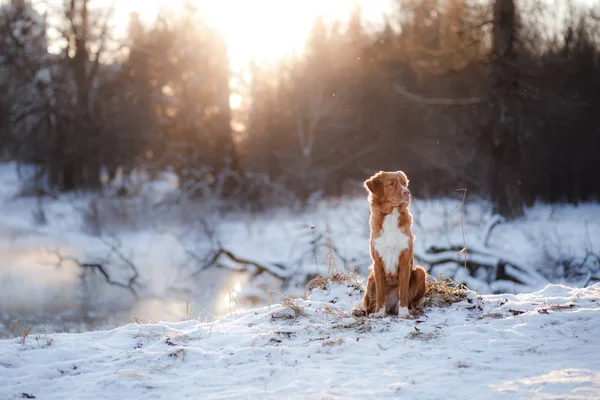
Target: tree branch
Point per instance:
(102, 269)
(103, 39)
(469, 101)
(487, 230)
(114, 247)
(275, 270)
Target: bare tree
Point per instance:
(505, 151)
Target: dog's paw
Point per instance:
(379, 314)
(359, 312)
(403, 313)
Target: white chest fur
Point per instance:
(391, 242)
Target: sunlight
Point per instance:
(263, 30)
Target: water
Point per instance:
(38, 295)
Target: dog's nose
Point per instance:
(405, 192)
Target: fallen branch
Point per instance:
(489, 226)
(502, 268)
(504, 286)
(276, 270)
(102, 269)
(224, 258)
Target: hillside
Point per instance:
(537, 345)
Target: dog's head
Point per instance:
(389, 188)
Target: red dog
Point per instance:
(394, 284)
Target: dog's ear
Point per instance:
(403, 177)
(375, 185)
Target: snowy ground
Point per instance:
(159, 239)
(542, 345)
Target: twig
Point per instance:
(463, 251)
(115, 249)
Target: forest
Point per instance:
(498, 97)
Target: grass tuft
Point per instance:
(444, 292)
(292, 310)
(335, 277)
(18, 329)
(292, 304)
(332, 342)
(359, 325)
(422, 336)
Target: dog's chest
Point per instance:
(390, 242)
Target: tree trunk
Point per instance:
(225, 152)
(506, 179)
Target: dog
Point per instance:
(393, 285)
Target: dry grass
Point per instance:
(418, 335)
(141, 321)
(42, 340)
(493, 315)
(359, 325)
(292, 303)
(444, 292)
(332, 342)
(560, 307)
(18, 329)
(335, 276)
(292, 310)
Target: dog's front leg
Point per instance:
(404, 270)
(379, 289)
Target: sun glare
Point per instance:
(263, 30)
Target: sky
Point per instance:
(249, 25)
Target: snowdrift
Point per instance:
(538, 345)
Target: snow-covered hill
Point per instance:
(538, 345)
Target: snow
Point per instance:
(160, 236)
(541, 345)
